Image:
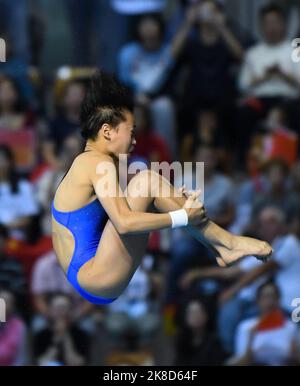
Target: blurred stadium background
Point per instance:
(214, 81)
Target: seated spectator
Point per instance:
(270, 338)
(284, 266)
(12, 334)
(31, 247)
(207, 133)
(268, 75)
(61, 343)
(236, 306)
(148, 144)
(134, 318)
(48, 279)
(219, 198)
(187, 252)
(144, 66)
(12, 274)
(66, 122)
(273, 140)
(196, 345)
(276, 172)
(17, 199)
(17, 124)
(268, 71)
(47, 181)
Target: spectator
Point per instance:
(208, 54)
(235, 307)
(66, 123)
(219, 199)
(268, 75)
(12, 334)
(17, 199)
(273, 139)
(18, 127)
(196, 345)
(207, 133)
(285, 266)
(31, 247)
(276, 173)
(112, 18)
(144, 66)
(47, 182)
(268, 71)
(270, 338)
(12, 274)
(12, 112)
(149, 144)
(134, 318)
(186, 251)
(48, 279)
(61, 343)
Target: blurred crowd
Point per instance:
(206, 90)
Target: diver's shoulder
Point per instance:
(90, 159)
(92, 156)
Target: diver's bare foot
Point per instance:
(242, 247)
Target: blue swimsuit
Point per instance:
(86, 224)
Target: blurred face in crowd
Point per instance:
(207, 119)
(273, 27)
(209, 157)
(60, 308)
(8, 95)
(268, 299)
(276, 175)
(206, 124)
(73, 97)
(9, 301)
(70, 150)
(276, 118)
(270, 223)
(150, 34)
(207, 11)
(196, 316)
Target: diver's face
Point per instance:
(123, 136)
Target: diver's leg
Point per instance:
(118, 256)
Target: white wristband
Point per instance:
(179, 218)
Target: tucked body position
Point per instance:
(100, 232)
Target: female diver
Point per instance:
(100, 238)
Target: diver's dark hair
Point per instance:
(105, 102)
